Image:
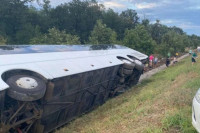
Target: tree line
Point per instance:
(87, 22)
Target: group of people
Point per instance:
(174, 59)
(152, 61)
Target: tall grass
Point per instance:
(158, 105)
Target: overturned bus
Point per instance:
(42, 87)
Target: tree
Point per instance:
(102, 35)
(177, 30)
(13, 14)
(46, 6)
(56, 37)
(77, 17)
(145, 22)
(27, 32)
(115, 22)
(21, 23)
(139, 39)
(157, 31)
(18, 20)
(131, 17)
(195, 41)
(172, 42)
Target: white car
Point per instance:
(196, 111)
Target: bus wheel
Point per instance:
(128, 64)
(133, 80)
(25, 87)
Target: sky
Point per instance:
(181, 13)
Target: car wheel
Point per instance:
(25, 87)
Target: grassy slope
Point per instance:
(159, 104)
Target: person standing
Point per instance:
(169, 54)
(194, 55)
(151, 58)
(190, 51)
(174, 60)
(177, 54)
(155, 61)
(167, 62)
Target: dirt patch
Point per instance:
(173, 130)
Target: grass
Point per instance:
(161, 104)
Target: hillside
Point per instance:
(162, 103)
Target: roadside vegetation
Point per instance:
(161, 104)
(87, 22)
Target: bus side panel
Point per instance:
(76, 94)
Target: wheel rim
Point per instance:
(27, 83)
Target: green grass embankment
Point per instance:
(161, 104)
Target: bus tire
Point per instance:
(134, 79)
(128, 64)
(122, 79)
(25, 87)
(121, 73)
(127, 71)
(139, 65)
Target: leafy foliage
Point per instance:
(102, 35)
(56, 37)
(194, 41)
(77, 17)
(130, 17)
(172, 42)
(157, 31)
(139, 39)
(87, 22)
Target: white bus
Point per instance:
(43, 87)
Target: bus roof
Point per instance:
(26, 49)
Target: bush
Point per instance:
(56, 37)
